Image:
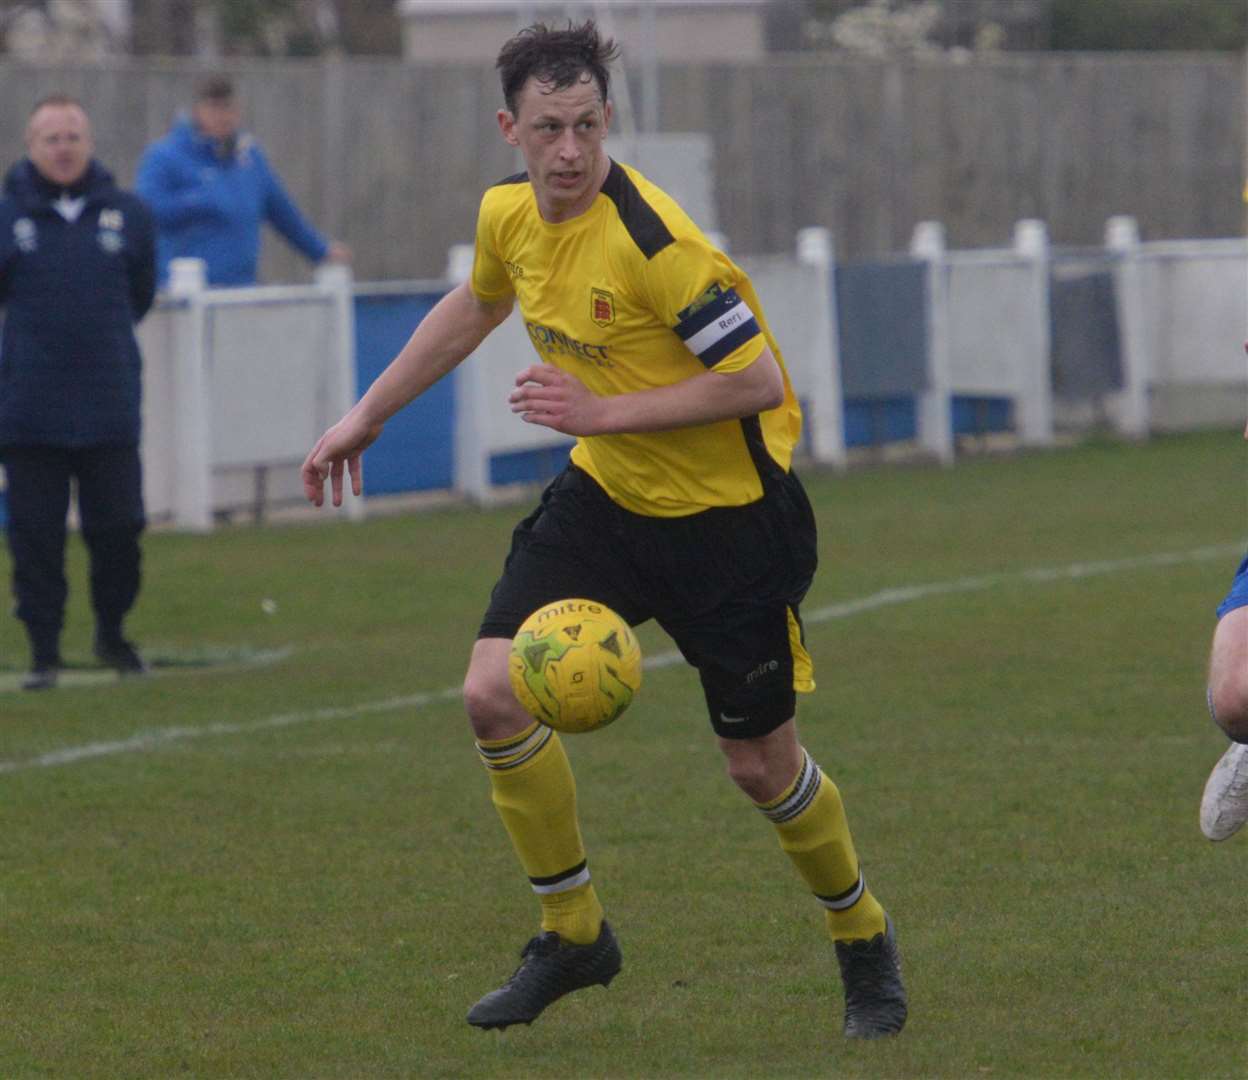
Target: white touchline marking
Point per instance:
(151, 740)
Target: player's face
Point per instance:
(58, 142)
(560, 133)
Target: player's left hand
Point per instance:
(556, 399)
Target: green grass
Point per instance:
(307, 879)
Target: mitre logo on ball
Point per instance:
(575, 665)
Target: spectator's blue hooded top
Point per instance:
(77, 271)
(210, 198)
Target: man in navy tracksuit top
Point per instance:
(210, 189)
(77, 271)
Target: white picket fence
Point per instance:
(238, 383)
(237, 386)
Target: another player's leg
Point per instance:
(1224, 805)
(805, 809)
(533, 789)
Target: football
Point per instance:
(575, 665)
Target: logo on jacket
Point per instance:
(111, 222)
(25, 235)
(601, 307)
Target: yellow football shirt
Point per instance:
(631, 295)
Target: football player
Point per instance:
(679, 505)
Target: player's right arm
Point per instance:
(458, 323)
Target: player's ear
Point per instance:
(507, 125)
(607, 112)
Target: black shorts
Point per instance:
(724, 583)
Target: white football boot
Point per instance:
(1224, 806)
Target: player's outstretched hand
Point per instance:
(341, 444)
(556, 399)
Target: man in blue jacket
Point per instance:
(210, 189)
(77, 271)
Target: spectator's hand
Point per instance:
(556, 399)
(341, 444)
(338, 252)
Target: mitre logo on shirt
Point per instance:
(601, 306)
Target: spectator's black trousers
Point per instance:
(110, 510)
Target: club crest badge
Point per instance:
(25, 234)
(601, 307)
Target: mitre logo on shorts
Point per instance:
(601, 307)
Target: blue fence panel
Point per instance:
(882, 319)
(1083, 324)
(982, 415)
(529, 466)
(875, 421)
(882, 324)
(416, 452)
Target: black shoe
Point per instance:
(875, 1000)
(550, 968)
(120, 654)
(42, 677)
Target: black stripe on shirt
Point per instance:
(637, 216)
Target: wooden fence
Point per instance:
(393, 157)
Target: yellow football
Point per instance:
(575, 665)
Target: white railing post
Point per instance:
(341, 390)
(935, 411)
(826, 418)
(192, 496)
(1130, 406)
(472, 457)
(1035, 400)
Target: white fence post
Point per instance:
(815, 249)
(340, 385)
(935, 411)
(192, 495)
(1130, 406)
(472, 457)
(1035, 401)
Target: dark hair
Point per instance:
(215, 88)
(60, 100)
(557, 57)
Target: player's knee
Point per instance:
(1228, 697)
(750, 772)
(491, 707)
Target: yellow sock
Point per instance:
(810, 821)
(533, 789)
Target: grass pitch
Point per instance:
(284, 863)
